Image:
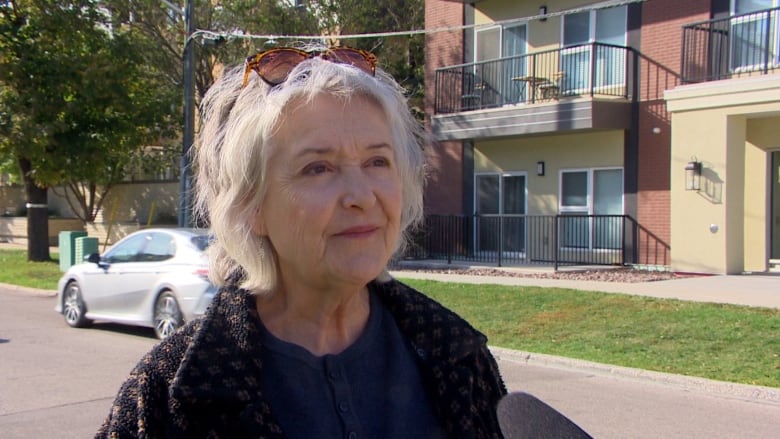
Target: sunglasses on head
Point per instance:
(274, 65)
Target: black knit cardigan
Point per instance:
(204, 381)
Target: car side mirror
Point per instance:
(93, 258)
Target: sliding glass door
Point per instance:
(585, 66)
(500, 209)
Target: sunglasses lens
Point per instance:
(274, 66)
(363, 60)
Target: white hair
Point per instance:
(232, 152)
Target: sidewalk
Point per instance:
(760, 290)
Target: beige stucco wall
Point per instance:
(559, 152)
(128, 207)
(125, 202)
(730, 126)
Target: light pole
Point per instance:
(188, 137)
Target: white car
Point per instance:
(156, 278)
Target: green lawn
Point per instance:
(723, 342)
(15, 269)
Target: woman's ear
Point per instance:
(258, 224)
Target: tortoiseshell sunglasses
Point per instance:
(274, 65)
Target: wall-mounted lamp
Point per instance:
(693, 175)
(543, 11)
(540, 168)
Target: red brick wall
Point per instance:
(444, 193)
(660, 54)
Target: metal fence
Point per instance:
(739, 45)
(537, 239)
(587, 69)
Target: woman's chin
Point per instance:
(361, 271)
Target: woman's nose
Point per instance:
(358, 188)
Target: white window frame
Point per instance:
(579, 48)
(500, 39)
(589, 193)
(588, 209)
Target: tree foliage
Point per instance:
(87, 85)
(77, 99)
(162, 29)
(402, 56)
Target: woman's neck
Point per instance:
(321, 322)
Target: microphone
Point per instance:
(524, 416)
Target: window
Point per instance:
(498, 43)
(500, 207)
(127, 251)
(592, 199)
(755, 34)
(580, 58)
(160, 246)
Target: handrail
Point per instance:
(584, 69)
(733, 46)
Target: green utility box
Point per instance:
(67, 243)
(84, 246)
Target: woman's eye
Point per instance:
(315, 168)
(380, 161)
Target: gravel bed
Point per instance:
(622, 274)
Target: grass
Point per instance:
(17, 270)
(722, 342)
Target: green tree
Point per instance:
(402, 56)
(163, 29)
(76, 102)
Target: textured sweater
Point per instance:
(204, 381)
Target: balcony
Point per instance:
(735, 46)
(589, 86)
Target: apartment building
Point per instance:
(645, 132)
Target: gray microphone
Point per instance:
(524, 416)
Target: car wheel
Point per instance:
(167, 315)
(73, 307)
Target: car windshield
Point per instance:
(201, 241)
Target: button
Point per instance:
(334, 374)
(344, 406)
(352, 435)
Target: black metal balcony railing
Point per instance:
(537, 239)
(588, 69)
(739, 45)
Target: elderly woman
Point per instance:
(309, 172)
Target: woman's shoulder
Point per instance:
(164, 359)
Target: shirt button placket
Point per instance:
(341, 395)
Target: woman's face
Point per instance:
(332, 208)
